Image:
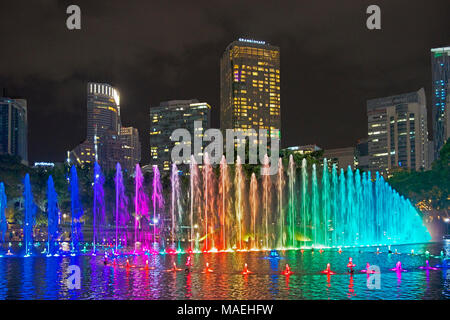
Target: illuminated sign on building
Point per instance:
(252, 41)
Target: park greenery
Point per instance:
(430, 187)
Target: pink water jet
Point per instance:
(398, 267)
(427, 266)
(367, 269)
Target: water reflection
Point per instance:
(45, 278)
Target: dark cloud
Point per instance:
(160, 50)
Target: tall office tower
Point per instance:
(250, 87)
(440, 68)
(398, 133)
(172, 115)
(103, 127)
(131, 147)
(103, 143)
(14, 128)
(103, 110)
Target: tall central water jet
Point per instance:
(141, 211)
(281, 219)
(267, 200)
(176, 210)
(157, 200)
(99, 206)
(30, 216)
(3, 222)
(122, 216)
(254, 205)
(52, 214)
(326, 203)
(208, 192)
(224, 189)
(77, 210)
(195, 203)
(305, 202)
(292, 201)
(239, 183)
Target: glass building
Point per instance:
(398, 132)
(172, 115)
(250, 87)
(104, 142)
(440, 69)
(14, 128)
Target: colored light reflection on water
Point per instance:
(41, 277)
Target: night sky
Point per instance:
(154, 51)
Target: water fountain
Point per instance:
(121, 208)
(99, 207)
(53, 218)
(3, 222)
(77, 211)
(254, 207)
(195, 203)
(29, 217)
(176, 209)
(317, 208)
(141, 218)
(158, 203)
(239, 187)
(224, 206)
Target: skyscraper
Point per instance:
(172, 115)
(103, 111)
(250, 87)
(131, 147)
(14, 128)
(398, 132)
(103, 143)
(440, 69)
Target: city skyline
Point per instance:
(317, 72)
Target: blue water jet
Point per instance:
(52, 214)
(99, 206)
(3, 204)
(30, 216)
(77, 211)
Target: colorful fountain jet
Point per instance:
(53, 218)
(77, 211)
(30, 216)
(3, 204)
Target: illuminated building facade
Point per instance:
(131, 148)
(172, 115)
(14, 128)
(103, 143)
(341, 157)
(440, 97)
(301, 150)
(398, 132)
(250, 87)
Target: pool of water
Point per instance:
(39, 277)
